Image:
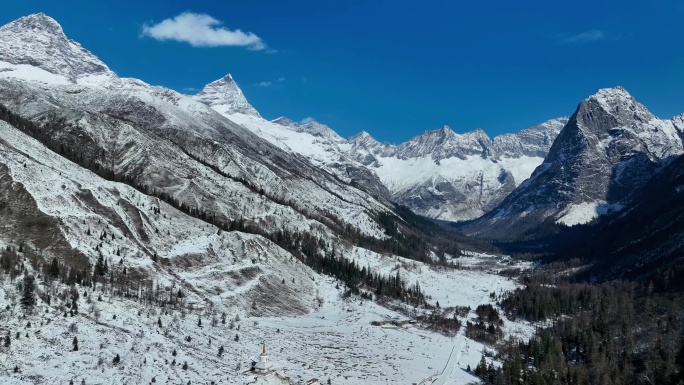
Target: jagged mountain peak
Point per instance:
(364, 139)
(226, 97)
(360, 136)
(38, 40)
(601, 161)
(444, 130)
(36, 22)
(533, 141)
(445, 143)
(609, 108)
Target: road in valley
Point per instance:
(444, 378)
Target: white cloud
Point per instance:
(585, 37)
(201, 30)
(306, 120)
(275, 83)
(590, 36)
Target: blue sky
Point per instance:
(396, 68)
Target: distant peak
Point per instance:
(444, 130)
(226, 97)
(363, 137)
(226, 80)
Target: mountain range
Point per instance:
(171, 209)
(439, 174)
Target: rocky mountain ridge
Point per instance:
(600, 162)
(439, 174)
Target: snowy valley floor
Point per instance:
(336, 340)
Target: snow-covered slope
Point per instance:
(199, 220)
(178, 145)
(136, 226)
(264, 294)
(440, 174)
(606, 154)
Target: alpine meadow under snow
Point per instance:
(149, 236)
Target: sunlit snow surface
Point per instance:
(473, 174)
(335, 340)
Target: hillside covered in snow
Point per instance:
(152, 237)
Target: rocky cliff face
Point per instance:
(601, 160)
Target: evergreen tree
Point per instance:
(8, 341)
(54, 268)
(220, 351)
(159, 323)
(481, 368)
(173, 353)
(117, 359)
(75, 343)
(28, 297)
(185, 365)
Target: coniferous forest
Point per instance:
(610, 333)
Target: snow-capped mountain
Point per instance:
(171, 141)
(38, 42)
(439, 174)
(226, 97)
(602, 159)
(450, 176)
(209, 236)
